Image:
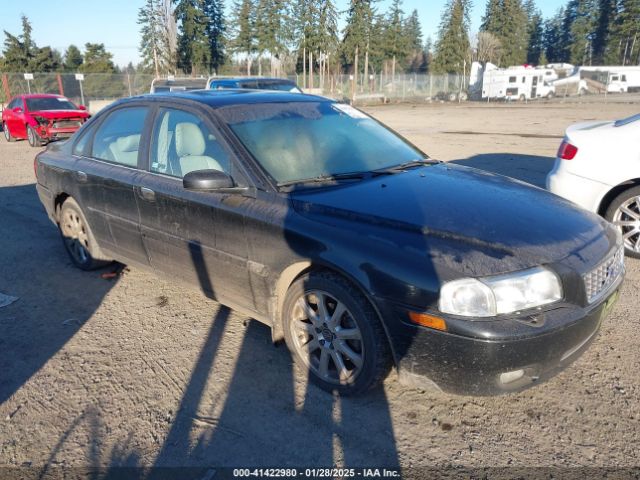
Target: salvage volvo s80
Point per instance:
(360, 251)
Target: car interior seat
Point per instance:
(124, 150)
(190, 147)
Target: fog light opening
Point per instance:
(510, 377)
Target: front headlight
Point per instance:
(491, 296)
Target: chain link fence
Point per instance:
(97, 90)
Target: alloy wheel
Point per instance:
(32, 137)
(327, 337)
(5, 130)
(627, 219)
(75, 236)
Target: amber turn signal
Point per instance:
(428, 321)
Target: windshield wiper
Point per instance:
(404, 166)
(326, 179)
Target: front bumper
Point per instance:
(49, 133)
(503, 356)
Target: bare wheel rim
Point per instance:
(327, 337)
(32, 139)
(75, 236)
(627, 219)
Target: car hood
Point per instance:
(467, 220)
(58, 114)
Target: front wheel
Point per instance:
(624, 213)
(32, 137)
(335, 334)
(78, 239)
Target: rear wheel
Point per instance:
(7, 134)
(624, 213)
(334, 332)
(32, 137)
(78, 239)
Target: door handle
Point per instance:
(81, 176)
(147, 194)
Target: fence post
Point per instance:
(60, 88)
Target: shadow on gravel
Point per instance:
(55, 298)
(527, 168)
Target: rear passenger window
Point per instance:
(118, 138)
(183, 143)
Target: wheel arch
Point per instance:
(294, 271)
(59, 199)
(614, 192)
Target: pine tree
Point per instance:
(413, 35)
(215, 29)
(242, 36)
(604, 25)
(357, 35)
(535, 46)
(554, 47)
(19, 50)
(97, 59)
(580, 25)
(508, 20)
(625, 41)
(194, 54)
(453, 47)
(155, 42)
(396, 42)
(72, 59)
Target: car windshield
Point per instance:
(49, 103)
(281, 86)
(299, 141)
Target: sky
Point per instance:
(59, 23)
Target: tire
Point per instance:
(522, 98)
(624, 213)
(7, 133)
(32, 137)
(550, 95)
(78, 239)
(351, 365)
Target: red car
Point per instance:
(41, 118)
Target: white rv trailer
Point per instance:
(613, 79)
(514, 83)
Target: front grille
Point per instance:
(67, 123)
(598, 280)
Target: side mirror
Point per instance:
(207, 180)
(81, 107)
(17, 110)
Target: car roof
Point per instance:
(253, 79)
(235, 96)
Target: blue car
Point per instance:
(259, 83)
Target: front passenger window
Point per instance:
(118, 138)
(182, 143)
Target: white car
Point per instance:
(598, 167)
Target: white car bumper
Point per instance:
(585, 192)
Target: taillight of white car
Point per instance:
(567, 151)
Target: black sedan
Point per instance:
(353, 245)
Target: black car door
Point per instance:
(109, 174)
(196, 236)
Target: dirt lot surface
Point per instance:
(138, 371)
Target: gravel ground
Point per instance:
(136, 371)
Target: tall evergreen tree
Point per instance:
(554, 46)
(396, 42)
(194, 53)
(579, 28)
(535, 47)
(508, 20)
(357, 35)
(453, 47)
(625, 39)
(215, 30)
(72, 59)
(19, 50)
(243, 39)
(413, 34)
(97, 59)
(153, 40)
(602, 34)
